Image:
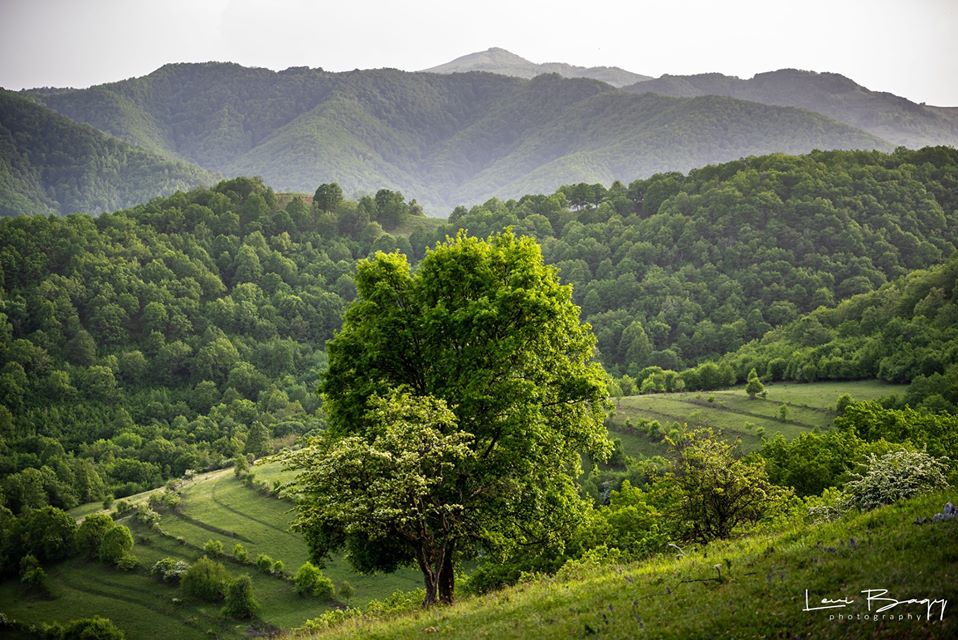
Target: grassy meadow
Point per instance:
(214, 506)
(809, 406)
(747, 588)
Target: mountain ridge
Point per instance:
(883, 114)
(504, 62)
(444, 139)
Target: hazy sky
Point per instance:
(908, 47)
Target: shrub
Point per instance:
(240, 602)
(214, 548)
(169, 569)
(32, 575)
(95, 628)
(278, 567)
(264, 563)
(310, 580)
(91, 532)
(896, 476)
(205, 579)
(116, 543)
(239, 552)
(346, 590)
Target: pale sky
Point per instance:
(907, 47)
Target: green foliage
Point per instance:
(206, 579)
(92, 531)
(32, 576)
(117, 543)
(240, 603)
(905, 331)
(719, 491)
(815, 461)
(169, 569)
(490, 381)
(95, 628)
(52, 164)
(754, 386)
(264, 563)
(895, 476)
(214, 548)
(47, 533)
(937, 433)
(310, 580)
(240, 553)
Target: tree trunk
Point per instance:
(429, 581)
(447, 578)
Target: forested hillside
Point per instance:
(885, 115)
(676, 269)
(905, 331)
(138, 345)
(175, 335)
(446, 139)
(51, 164)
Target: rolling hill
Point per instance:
(890, 117)
(443, 139)
(51, 164)
(506, 63)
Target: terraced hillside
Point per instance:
(214, 506)
(809, 406)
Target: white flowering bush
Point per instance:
(896, 476)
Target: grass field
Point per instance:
(749, 588)
(810, 406)
(214, 506)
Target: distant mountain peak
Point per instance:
(504, 62)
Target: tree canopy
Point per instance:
(460, 398)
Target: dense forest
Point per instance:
(51, 164)
(178, 334)
(905, 331)
(138, 345)
(674, 270)
(448, 139)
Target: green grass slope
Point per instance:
(748, 588)
(810, 406)
(214, 506)
(51, 164)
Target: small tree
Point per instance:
(91, 532)
(205, 579)
(328, 196)
(783, 412)
(33, 576)
(346, 590)
(754, 385)
(240, 602)
(719, 490)
(116, 544)
(214, 548)
(278, 567)
(239, 552)
(310, 580)
(264, 563)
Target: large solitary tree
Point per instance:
(460, 399)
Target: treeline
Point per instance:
(675, 270)
(904, 332)
(171, 337)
